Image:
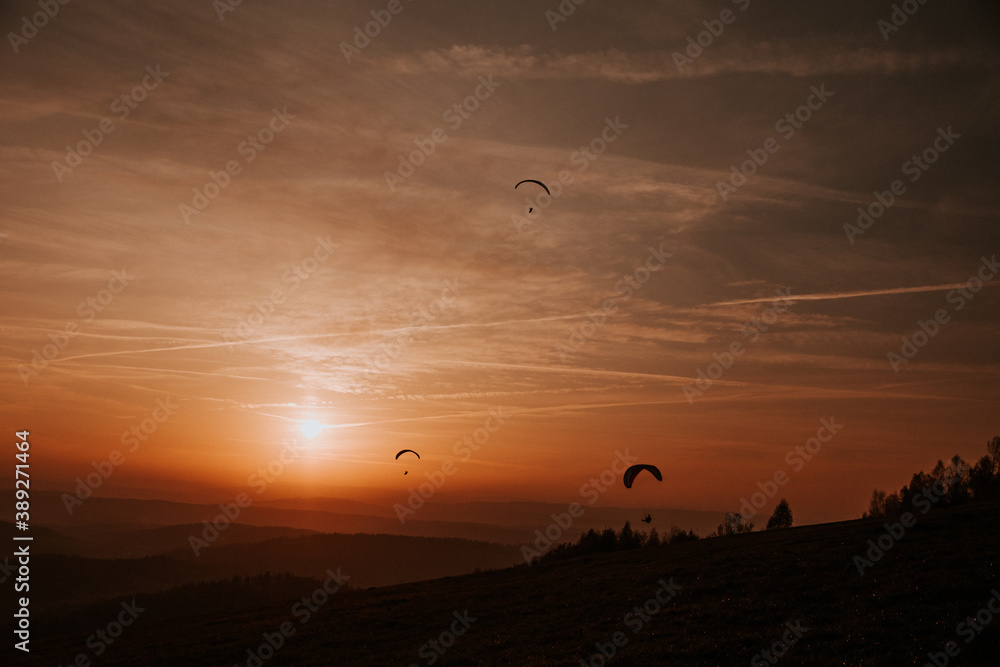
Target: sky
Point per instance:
(222, 222)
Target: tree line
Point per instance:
(954, 483)
(626, 539)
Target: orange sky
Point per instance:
(348, 273)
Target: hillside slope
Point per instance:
(736, 595)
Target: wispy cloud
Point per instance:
(528, 62)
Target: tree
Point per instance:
(981, 481)
(781, 517)
(590, 542)
(893, 505)
(654, 539)
(940, 472)
(678, 535)
(918, 483)
(733, 524)
(628, 538)
(958, 492)
(609, 541)
(993, 449)
(876, 507)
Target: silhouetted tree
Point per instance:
(876, 506)
(678, 535)
(609, 541)
(918, 483)
(958, 490)
(628, 538)
(642, 538)
(590, 542)
(982, 483)
(733, 524)
(781, 517)
(654, 539)
(893, 505)
(993, 449)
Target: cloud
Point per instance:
(528, 62)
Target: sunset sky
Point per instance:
(347, 268)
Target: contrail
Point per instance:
(852, 295)
(276, 339)
(574, 370)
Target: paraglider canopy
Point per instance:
(631, 473)
(403, 451)
(531, 180)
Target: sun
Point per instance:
(311, 428)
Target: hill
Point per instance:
(735, 597)
(138, 541)
(502, 522)
(372, 560)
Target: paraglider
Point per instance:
(403, 451)
(531, 180)
(631, 473)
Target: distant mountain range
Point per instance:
(502, 522)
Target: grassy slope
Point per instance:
(738, 592)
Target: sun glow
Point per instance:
(312, 428)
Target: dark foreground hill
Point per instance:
(737, 596)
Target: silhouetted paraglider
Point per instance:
(403, 451)
(531, 180)
(631, 474)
